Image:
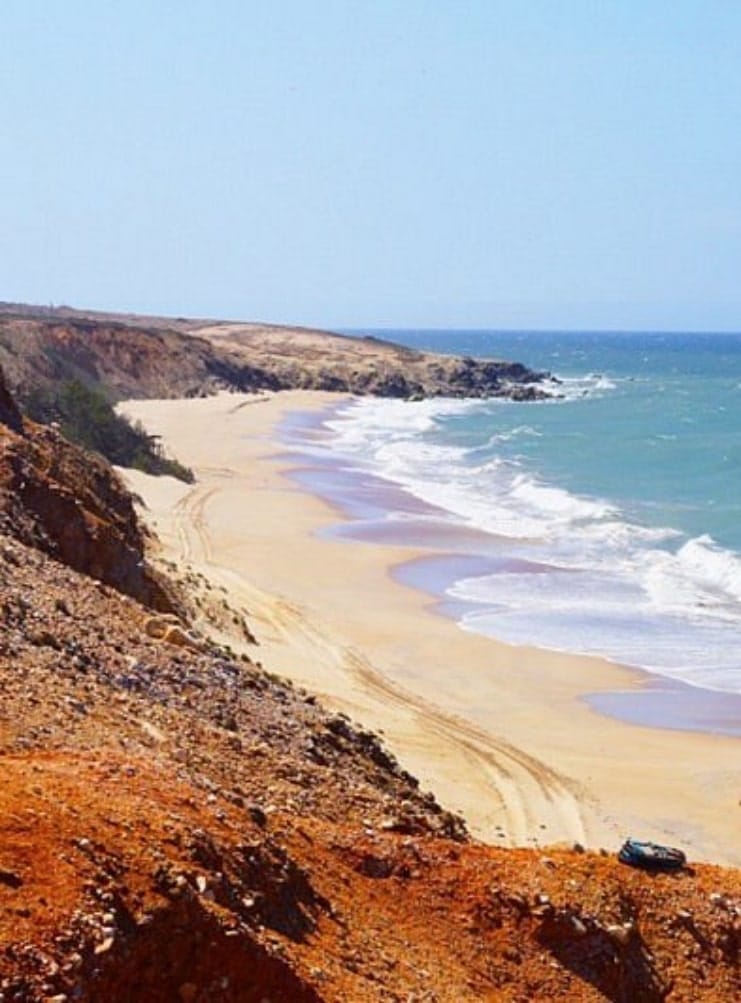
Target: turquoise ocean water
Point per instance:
(609, 516)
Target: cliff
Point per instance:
(160, 357)
(70, 503)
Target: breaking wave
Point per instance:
(643, 595)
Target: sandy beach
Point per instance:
(499, 733)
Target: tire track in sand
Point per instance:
(522, 792)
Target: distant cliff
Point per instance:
(134, 356)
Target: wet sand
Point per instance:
(460, 552)
(502, 733)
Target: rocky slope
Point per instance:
(160, 357)
(175, 824)
(72, 505)
(178, 825)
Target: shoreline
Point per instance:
(650, 698)
(500, 733)
(455, 552)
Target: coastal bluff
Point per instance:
(134, 356)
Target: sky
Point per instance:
(376, 163)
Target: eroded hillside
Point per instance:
(70, 504)
(161, 357)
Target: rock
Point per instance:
(10, 878)
(718, 900)
(182, 638)
(519, 392)
(375, 867)
(168, 628)
(620, 933)
(578, 926)
(543, 911)
(105, 945)
(258, 816)
(10, 416)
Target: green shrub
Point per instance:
(86, 417)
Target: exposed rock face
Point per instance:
(71, 504)
(127, 360)
(319, 360)
(10, 416)
(150, 357)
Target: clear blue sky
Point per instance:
(468, 163)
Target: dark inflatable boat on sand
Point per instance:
(651, 856)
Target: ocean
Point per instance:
(605, 520)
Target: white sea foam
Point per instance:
(574, 387)
(700, 577)
(643, 595)
(712, 565)
(499, 438)
(602, 614)
(497, 496)
(555, 504)
(362, 423)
